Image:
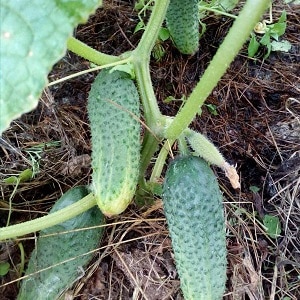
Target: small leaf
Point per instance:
(266, 39)
(212, 109)
(277, 30)
(253, 46)
(164, 34)
(25, 175)
(127, 68)
(283, 46)
(11, 180)
(156, 188)
(158, 52)
(273, 226)
(228, 5)
(282, 17)
(169, 99)
(269, 48)
(254, 188)
(4, 268)
(139, 26)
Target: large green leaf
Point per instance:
(33, 38)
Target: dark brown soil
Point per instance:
(257, 127)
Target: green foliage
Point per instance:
(24, 176)
(254, 188)
(4, 268)
(273, 226)
(183, 24)
(158, 50)
(270, 37)
(194, 212)
(113, 108)
(33, 38)
(62, 250)
(218, 5)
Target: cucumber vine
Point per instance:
(160, 129)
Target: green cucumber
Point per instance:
(183, 24)
(61, 251)
(113, 108)
(194, 212)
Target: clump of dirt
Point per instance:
(256, 127)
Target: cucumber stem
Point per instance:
(160, 161)
(52, 219)
(152, 29)
(151, 110)
(233, 42)
(89, 53)
(141, 60)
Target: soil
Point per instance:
(257, 127)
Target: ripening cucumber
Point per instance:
(193, 208)
(62, 251)
(183, 24)
(113, 108)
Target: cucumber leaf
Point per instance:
(33, 38)
(273, 226)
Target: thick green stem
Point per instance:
(152, 29)
(141, 60)
(150, 108)
(230, 47)
(89, 53)
(52, 219)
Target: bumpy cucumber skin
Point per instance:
(194, 212)
(183, 24)
(56, 248)
(113, 108)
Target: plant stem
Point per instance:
(152, 29)
(160, 161)
(89, 53)
(120, 62)
(217, 11)
(150, 145)
(52, 219)
(227, 51)
(150, 108)
(141, 60)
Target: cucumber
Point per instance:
(52, 250)
(193, 208)
(113, 108)
(183, 24)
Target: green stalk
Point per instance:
(233, 42)
(150, 145)
(89, 53)
(160, 161)
(151, 110)
(217, 11)
(52, 219)
(152, 29)
(141, 60)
